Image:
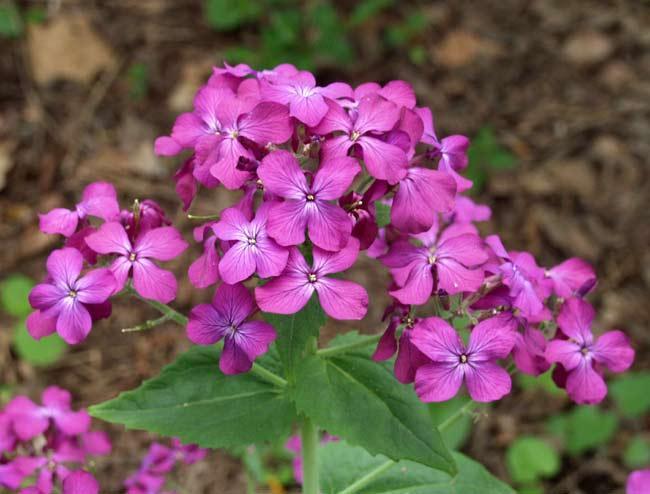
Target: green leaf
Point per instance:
(382, 213)
(35, 15)
(637, 453)
(456, 434)
(11, 25)
(543, 381)
(330, 42)
(45, 351)
(530, 459)
(486, 152)
(13, 295)
(342, 464)
(295, 331)
(360, 401)
(226, 15)
(191, 399)
(365, 10)
(138, 76)
(630, 392)
(584, 428)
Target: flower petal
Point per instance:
(74, 322)
(267, 123)
(486, 382)
(96, 286)
(326, 262)
(418, 285)
(383, 161)
(206, 325)
(335, 176)
(59, 221)
(281, 174)
(454, 278)
(342, 299)
(39, 325)
(585, 385)
(204, 271)
(238, 263)
(575, 320)
(152, 282)
(330, 227)
(251, 340)
(436, 339)
(80, 482)
(64, 266)
(287, 222)
(163, 243)
(438, 382)
(613, 350)
(492, 338)
(564, 352)
(111, 238)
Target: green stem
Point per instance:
(309, 436)
(348, 347)
(367, 478)
(151, 323)
(172, 314)
(203, 217)
(451, 420)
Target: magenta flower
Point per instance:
(452, 362)
(305, 205)
(638, 482)
(251, 249)
(291, 291)
(375, 116)
(65, 300)
(529, 352)
(80, 482)
(421, 195)
(226, 318)
(525, 279)
(149, 216)
(582, 356)
(99, 199)
(218, 124)
(399, 92)
(300, 92)
(204, 271)
(573, 277)
(467, 211)
(361, 211)
(29, 419)
(455, 257)
(163, 243)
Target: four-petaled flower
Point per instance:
(163, 243)
(67, 298)
(452, 362)
(226, 318)
(291, 291)
(582, 357)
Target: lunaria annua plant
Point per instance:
(325, 174)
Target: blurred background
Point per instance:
(555, 96)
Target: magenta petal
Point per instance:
(465, 248)
(613, 350)
(44, 296)
(96, 287)
(206, 326)
(96, 443)
(638, 482)
(28, 421)
(267, 123)
(286, 294)
(486, 381)
(234, 302)
(204, 271)
(110, 238)
(409, 359)
(492, 338)
(248, 342)
(334, 177)
(376, 115)
(237, 264)
(329, 226)
(383, 161)
(529, 352)
(436, 339)
(166, 146)
(309, 109)
(326, 262)
(74, 322)
(100, 200)
(271, 259)
(225, 169)
(342, 299)
(281, 174)
(59, 221)
(64, 265)
(585, 385)
(80, 482)
(564, 352)
(231, 225)
(575, 319)
(152, 282)
(56, 398)
(387, 345)
(163, 243)
(417, 287)
(438, 382)
(399, 92)
(573, 276)
(39, 326)
(121, 267)
(287, 222)
(73, 423)
(454, 278)
(336, 119)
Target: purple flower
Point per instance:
(99, 199)
(147, 215)
(452, 362)
(204, 271)
(467, 211)
(455, 256)
(399, 92)
(305, 205)
(529, 352)
(67, 298)
(80, 482)
(218, 124)
(374, 116)
(291, 291)
(226, 317)
(420, 196)
(29, 419)
(361, 210)
(251, 249)
(188, 453)
(638, 482)
(163, 243)
(525, 279)
(582, 356)
(8, 437)
(573, 277)
(300, 92)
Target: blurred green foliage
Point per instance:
(630, 393)
(584, 428)
(486, 153)
(530, 459)
(543, 382)
(138, 78)
(12, 21)
(637, 453)
(13, 299)
(456, 434)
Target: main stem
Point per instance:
(309, 435)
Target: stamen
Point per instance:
(355, 135)
(310, 197)
(432, 259)
(72, 294)
(251, 241)
(463, 359)
(132, 256)
(312, 278)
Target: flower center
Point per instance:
(463, 358)
(408, 322)
(72, 294)
(584, 350)
(355, 135)
(252, 241)
(132, 256)
(312, 277)
(432, 259)
(233, 133)
(310, 197)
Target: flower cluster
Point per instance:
(157, 463)
(71, 297)
(46, 448)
